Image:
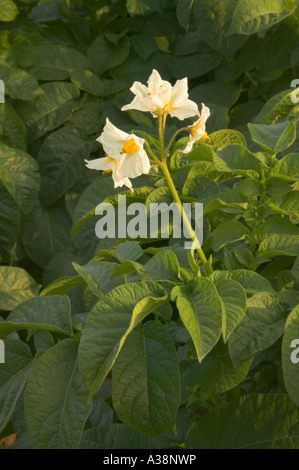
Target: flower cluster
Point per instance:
(125, 156)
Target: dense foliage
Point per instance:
(120, 343)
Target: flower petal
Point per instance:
(103, 164)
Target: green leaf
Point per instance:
(250, 280)
(195, 65)
(279, 244)
(274, 138)
(257, 421)
(183, 11)
(256, 15)
(236, 159)
(224, 137)
(137, 7)
(108, 325)
(56, 316)
(163, 266)
(87, 81)
(13, 129)
(8, 10)
(98, 276)
(55, 394)
(224, 94)
(19, 84)
(233, 297)
(104, 55)
(145, 45)
(19, 174)
(117, 436)
(228, 232)
(262, 325)
(287, 166)
(290, 355)
(278, 107)
(277, 225)
(200, 309)
(216, 373)
(50, 109)
(10, 223)
(16, 285)
(57, 62)
(146, 381)
(212, 19)
(200, 187)
(62, 286)
(13, 376)
(46, 232)
(61, 162)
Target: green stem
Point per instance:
(173, 137)
(151, 153)
(186, 221)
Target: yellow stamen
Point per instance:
(130, 146)
(205, 136)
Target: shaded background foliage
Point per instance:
(67, 65)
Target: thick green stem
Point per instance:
(186, 221)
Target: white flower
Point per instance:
(108, 164)
(198, 128)
(125, 155)
(160, 97)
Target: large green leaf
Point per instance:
(252, 16)
(146, 381)
(40, 313)
(13, 376)
(195, 65)
(19, 174)
(98, 276)
(200, 309)
(273, 138)
(8, 10)
(19, 84)
(262, 325)
(117, 436)
(10, 223)
(276, 108)
(16, 285)
(228, 232)
(61, 162)
(236, 159)
(212, 20)
(233, 297)
(250, 280)
(288, 167)
(290, 355)
(50, 109)
(108, 325)
(57, 62)
(104, 54)
(215, 374)
(46, 232)
(257, 421)
(13, 128)
(279, 244)
(55, 395)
